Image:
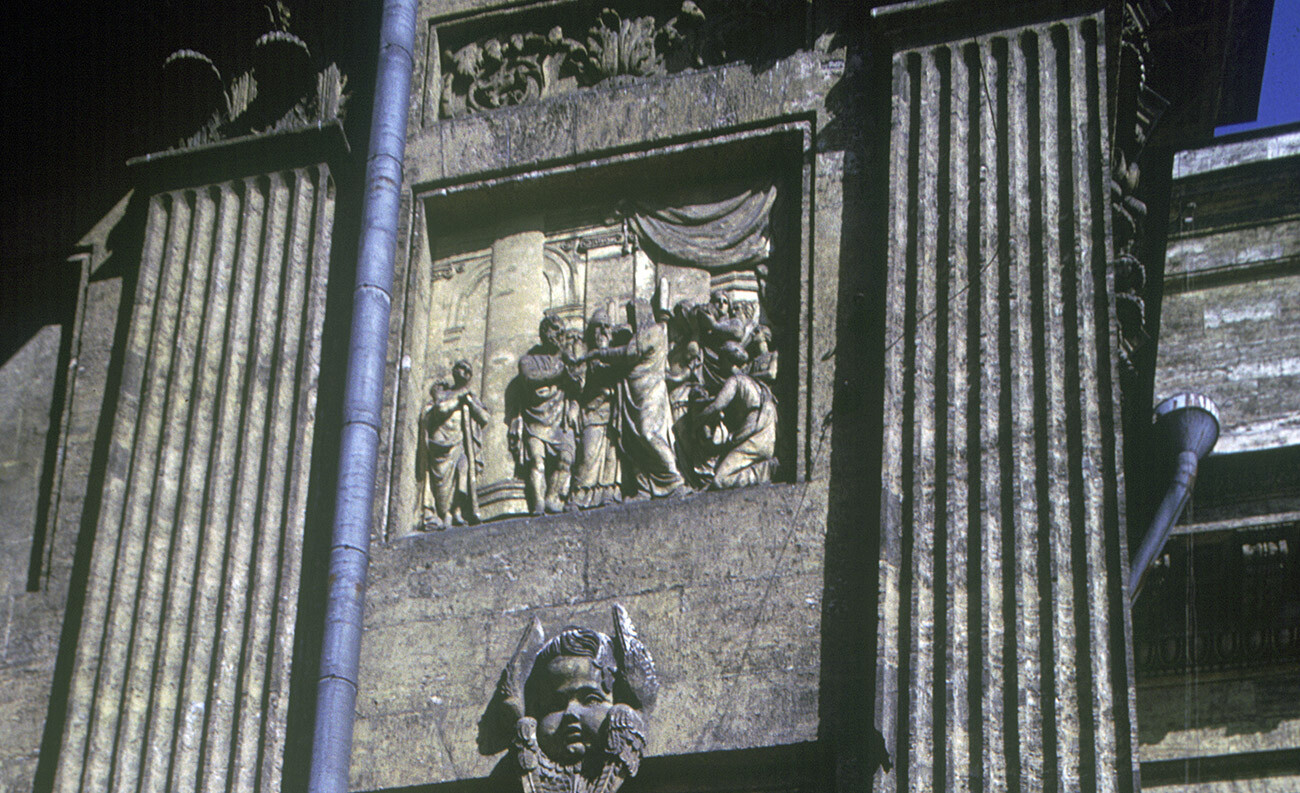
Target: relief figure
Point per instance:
(645, 414)
(597, 473)
(572, 710)
(747, 411)
(720, 321)
(543, 430)
(712, 392)
(450, 443)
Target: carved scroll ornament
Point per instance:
(279, 88)
(1139, 110)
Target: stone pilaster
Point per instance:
(1002, 657)
(181, 674)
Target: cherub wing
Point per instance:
(496, 729)
(634, 661)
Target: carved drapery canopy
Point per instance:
(732, 232)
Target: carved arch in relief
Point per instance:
(470, 298)
(563, 279)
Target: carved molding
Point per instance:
(1138, 111)
(1241, 587)
(533, 63)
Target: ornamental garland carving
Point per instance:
(502, 70)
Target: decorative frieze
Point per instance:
(1217, 601)
(536, 61)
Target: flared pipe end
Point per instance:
(1189, 424)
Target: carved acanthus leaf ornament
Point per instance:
(504, 70)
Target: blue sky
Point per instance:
(1279, 97)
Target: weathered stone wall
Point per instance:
(1002, 642)
(1230, 320)
(1218, 692)
(725, 589)
(51, 424)
(1220, 732)
(30, 619)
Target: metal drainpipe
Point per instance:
(1190, 425)
(362, 403)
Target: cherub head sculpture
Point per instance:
(572, 709)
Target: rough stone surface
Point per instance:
(36, 579)
(28, 629)
(1230, 320)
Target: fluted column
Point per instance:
(1003, 663)
(180, 680)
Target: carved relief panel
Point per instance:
(510, 57)
(585, 360)
(621, 330)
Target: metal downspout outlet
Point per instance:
(1189, 424)
(362, 404)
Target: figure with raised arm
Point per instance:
(645, 414)
(544, 426)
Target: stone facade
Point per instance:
(790, 328)
(1215, 639)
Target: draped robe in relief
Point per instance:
(646, 432)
